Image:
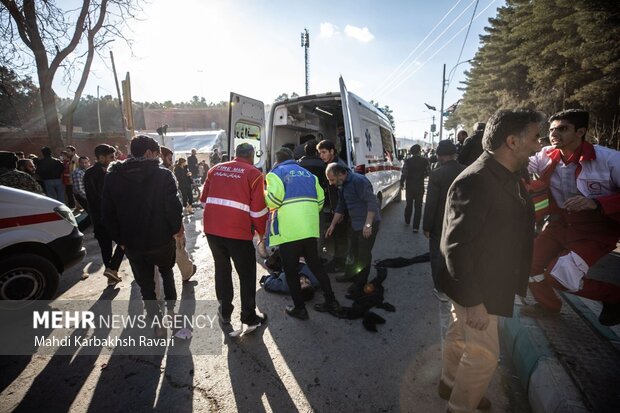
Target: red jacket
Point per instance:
(234, 200)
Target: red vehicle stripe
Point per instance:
(382, 168)
(28, 220)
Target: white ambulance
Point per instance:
(369, 139)
(39, 239)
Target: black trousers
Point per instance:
(290, 252)
(414, 204)
(243, 256)
(360, 253)
(110, 259)
(69, 196)
(186, 194)
(143, 265)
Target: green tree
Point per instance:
(386, 111)
(20, 104)
(48, 37)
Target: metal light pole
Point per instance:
(305, 43)
(443, 95)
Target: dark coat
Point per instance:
(93, 186)
(415, 169)
(487, 237)
(438, 184)
(140, 206)
(471, 149)
(49, 168)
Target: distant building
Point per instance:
(187, 119)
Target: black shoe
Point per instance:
(332, 307)
(300, 313)
(610, 316)
(257, 321)
(415, 230)
(537, 311)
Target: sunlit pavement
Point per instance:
(323, 364)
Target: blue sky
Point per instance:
(209, 48)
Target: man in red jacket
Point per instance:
(233, 196)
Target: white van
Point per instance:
(39, 239)
(369, 139)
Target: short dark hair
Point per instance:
(336, 169)
(21, 163)
(310, 148)
(415, 149)
(507, 122)
(81, 158)
(71, 147)
(284, 154)
(46, 151)
(243, 150)
(19, 154)
(8, 160)
(326, 144)
(576, 117)
(142, 143)
(104, 150)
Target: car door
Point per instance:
(246, 124)
(348, 126)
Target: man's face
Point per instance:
(84, 163)
(529, 144)
(29, 167)
(334, 179)
(563, 135)
(105, 160)
(70, 153)
(326, 155)
(167, 160)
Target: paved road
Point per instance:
(324, 364)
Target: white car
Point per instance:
(39, 239)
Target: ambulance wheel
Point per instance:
(27, 277)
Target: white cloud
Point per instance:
(328, 30)
(362, 35)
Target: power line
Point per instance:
(416, 48)
(413, 61)
(391, 89)
(463, 46)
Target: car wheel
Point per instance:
(27, 277)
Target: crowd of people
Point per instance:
(479, 218)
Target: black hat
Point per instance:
(445, 147)
(8, 160)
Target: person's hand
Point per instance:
(329, 231)
(579, 203)
(427, 234)
(340, 219)
(477, 317)
(367, 232)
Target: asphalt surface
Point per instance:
(324, 364)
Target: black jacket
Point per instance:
(317, 167)
(49, 168)
(93, 185)
(438, 184)
(141, 209)
(471, 149)
(415, 169)
(487, 237)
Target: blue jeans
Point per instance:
(55, 189)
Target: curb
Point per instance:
(550, 389)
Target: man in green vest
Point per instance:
(295, 199)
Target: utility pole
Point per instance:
(118, 92)
(433, 129)
(443, 89)
(98, 112)
(305, 43)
